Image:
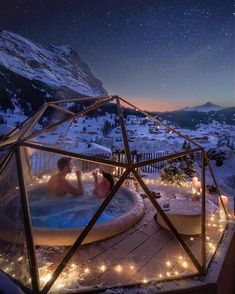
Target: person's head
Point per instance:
(108, 169)
(64, 164)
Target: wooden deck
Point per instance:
(143, 253)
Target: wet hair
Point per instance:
(63, 162)
(109, 177)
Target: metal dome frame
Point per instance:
(21, 136)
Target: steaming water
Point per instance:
(70, 211)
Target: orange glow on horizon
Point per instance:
(158, 105)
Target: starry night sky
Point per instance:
(159, 54)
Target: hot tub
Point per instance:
(58, 221)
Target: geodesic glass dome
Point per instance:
(101, 130)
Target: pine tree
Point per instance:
(107, 128)
(187, 161)
(171, 174)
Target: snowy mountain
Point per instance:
(207, 107)
(31, 73)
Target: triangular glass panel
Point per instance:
(13, 253)
(101, 257)
(48, 122)
(150, 137)
(168, 202)
(59, 211)
(97, 134)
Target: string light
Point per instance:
(102, 267)
(118, 268)
(168, 263)
(185, 264)
(20, 258)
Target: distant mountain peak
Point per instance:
(207, 107)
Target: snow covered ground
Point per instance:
(86, 136)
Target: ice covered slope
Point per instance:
(57, 68)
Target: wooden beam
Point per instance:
(164, 158)
(124, 134)
(76, 115)
(203, 213)
(73, 154)
(27, 225)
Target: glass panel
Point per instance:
(13, 249)
(149, 139)
(60, 209)
(95, 134)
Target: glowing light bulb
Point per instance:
(131, 267)
(145, 281)
(168, 274)
(87, 270)
(180, 257)
(160, 276)
(185, 264)
(46, 278)
(176, 273)
(102, 267)
(118, 268)
(20, 258)
(168, 263)
(191, 239)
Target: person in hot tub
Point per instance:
(59, 186)
(103, 186)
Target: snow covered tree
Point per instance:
(217, 155)
(187, 161)
(107, 128)
(171, 174)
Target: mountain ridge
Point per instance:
(207, 107)
(52, 70)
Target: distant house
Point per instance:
(153, 129)
(201, 140)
